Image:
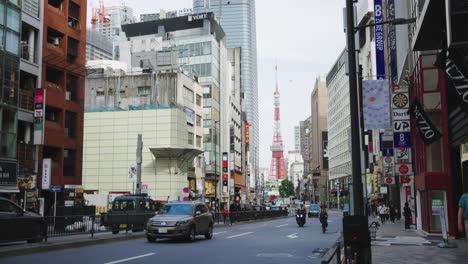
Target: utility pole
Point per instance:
(138, 161)
(355, 227)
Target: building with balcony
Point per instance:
(60, 123)
(166, 108)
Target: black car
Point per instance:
(129, 212)
(16, 224)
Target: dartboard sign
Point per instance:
(400, 100)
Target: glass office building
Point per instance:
(237, 18)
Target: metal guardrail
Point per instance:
(334, 254)
(92, 224)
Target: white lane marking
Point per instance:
(132, 258)
(282, 225)
(293, 235)
(217, 233)
(243, 234)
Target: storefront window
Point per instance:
(435, 151)
(438, 206)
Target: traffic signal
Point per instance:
(225, 180)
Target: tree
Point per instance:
(286, 188)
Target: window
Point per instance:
(199, 141)
(70, 121)
(2, 15)
(8, 135)
(73, 15)
(198, 121)
(72, 49)
(13, 19)
(56, 3)
(72, 87)
(69, 162)
(198, 101)
(188, 96)
(12, 42)
(54, 37)
(190, 138)
(144, 90)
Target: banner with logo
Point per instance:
(379, 40)
(392, 42)
(376, 105)
(428, 132)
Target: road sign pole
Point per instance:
(138, 161)
(55, 207)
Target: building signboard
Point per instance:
(46, 171)
(8, 172)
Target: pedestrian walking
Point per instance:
(407, 215)
(381, 209)
(463, 214)
(387, 213)
(232, 212)
(392, 213)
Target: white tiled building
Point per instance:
(171, 129)
(338, 120)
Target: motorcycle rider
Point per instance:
(323, 217)
(301, 212)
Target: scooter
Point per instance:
(324, 221)
(300, 217)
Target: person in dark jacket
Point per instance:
(392, 213)
(232, 212)
(407, 215)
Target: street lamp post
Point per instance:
(215, 165)
(360, 246)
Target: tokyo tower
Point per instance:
(278, 166)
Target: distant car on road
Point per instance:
(181, 220)
(16, 224)
(314, 210)
(129, 212)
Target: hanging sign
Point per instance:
(428, 132)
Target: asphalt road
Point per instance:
(274, 241)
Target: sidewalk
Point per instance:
(394, 244)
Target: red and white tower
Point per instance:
(278, 166)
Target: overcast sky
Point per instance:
(305, 37)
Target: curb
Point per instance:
(28, 249)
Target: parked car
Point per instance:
(129, 212)
(16, 224)
(181, 220)
(314, 210)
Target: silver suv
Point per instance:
(181, 220)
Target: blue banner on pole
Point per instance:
(393, 43)
(379, 40)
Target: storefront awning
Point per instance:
(9, 189)
(430, 28)
(175, 153)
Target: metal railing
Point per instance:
(91, 224)
(334, 254)
(238, 216)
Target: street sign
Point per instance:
(402, 140)
(401, 126)
(390, 180)
(403, 169)
(388, 152)
(55, 189)
(401, 114)
(403, 155)
(400, 100)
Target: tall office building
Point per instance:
(237, 18)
